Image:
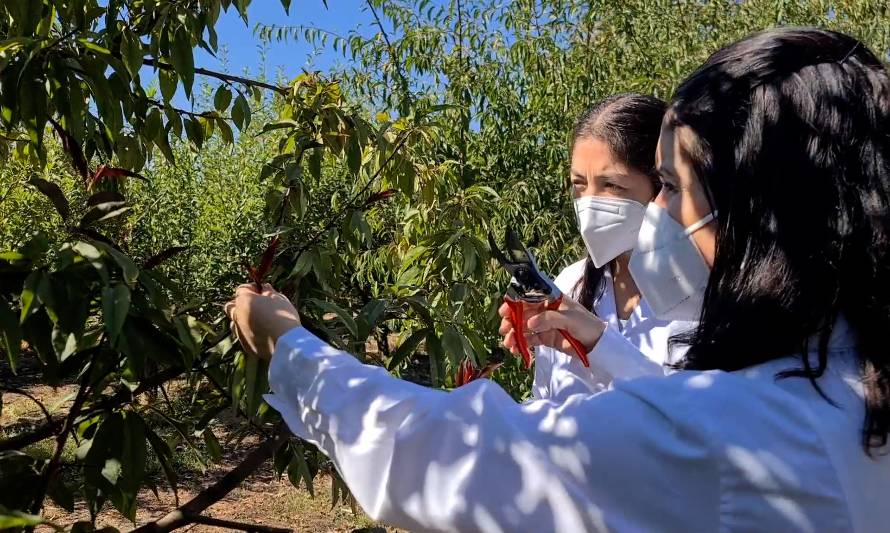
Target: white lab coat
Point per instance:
(689, 452)
(636, 348)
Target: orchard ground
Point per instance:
(262, 499)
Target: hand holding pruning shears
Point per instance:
(536, 313)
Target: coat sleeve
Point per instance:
(475, 460)
(559, 375)
(615, 357)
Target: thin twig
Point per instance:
(12, 139)
(203, 114)
(151, 62)
(9, 190)
(166, 398)
(228, 396)
(238, 526)
(20, 392)
(352, 201)
(403, 81)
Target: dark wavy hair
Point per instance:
(629, 124)
(791, 141)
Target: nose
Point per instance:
(661, 199)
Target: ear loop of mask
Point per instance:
(700, 224)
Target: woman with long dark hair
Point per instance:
(773, 219)
(612, 177)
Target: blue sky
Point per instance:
(240, 48)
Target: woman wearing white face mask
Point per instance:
(613, 177)
(782, 418)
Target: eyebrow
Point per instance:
(601, 175)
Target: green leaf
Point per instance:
(225, 131)
(115, 307)
(54, 193)
(168, 80)
(131, 52)
(282, 459)
(12, 257)
(241, 112)
(30, 289)
(128, 267)
(14, 519)
(421, 307)
(212, 443)
(298, 470)
(183, 59)
(453, 344)
(10, 333)
(164, 455)
(103, 212)
(256, 384)
(315, 163)
(436, 357)
(10, 45)
(344, 315)
(93, 256)
(133, 464)
(368, 317)
(407, 348)
(353, 154)
(153, 125)
(222, 99)
(195, 132)
(89, 45)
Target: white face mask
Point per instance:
(668, 267)
(608, 226)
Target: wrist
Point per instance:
(281, 326)
(595, 333)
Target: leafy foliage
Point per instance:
(127, 221)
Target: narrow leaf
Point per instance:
(407, 348)
(115, 306)
(10, 333)
(54, 193)
(160, 257)
(183, 59)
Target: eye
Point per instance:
(614, 186)
(668, 186)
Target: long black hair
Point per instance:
(629, 124)
(791, 140)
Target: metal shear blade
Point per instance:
(528, 282)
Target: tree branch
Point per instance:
(187, 513)
(40, 433)
(151, 62)
(239, 526)
(205, 114)
(53, 465)
(403, 81)
(123, 395)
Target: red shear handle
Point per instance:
(518, 327)
(579, 348)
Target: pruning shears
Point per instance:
(529, 284)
